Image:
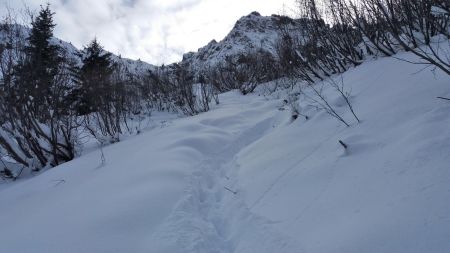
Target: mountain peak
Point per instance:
(250, 32)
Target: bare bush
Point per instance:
(36, 129)
(345, 95)
(315, 96)
(244, 72)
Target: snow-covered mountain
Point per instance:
(22, 32)
(250, 33)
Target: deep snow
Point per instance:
(245, 178)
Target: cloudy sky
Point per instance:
(156, 31)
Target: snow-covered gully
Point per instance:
(244, 178)
(174, 190)
(213, 217)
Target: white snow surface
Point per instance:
(245, 178)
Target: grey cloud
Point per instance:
(129, 3)
(183, 5)
(157, 31)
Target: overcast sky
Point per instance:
(156, 31)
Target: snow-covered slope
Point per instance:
(244, 178)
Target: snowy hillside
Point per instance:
(245, 178)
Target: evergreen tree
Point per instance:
(101, 95)
(95, 78)
(34, 76)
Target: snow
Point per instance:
(245, 178)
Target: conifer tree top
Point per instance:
(42, 27)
